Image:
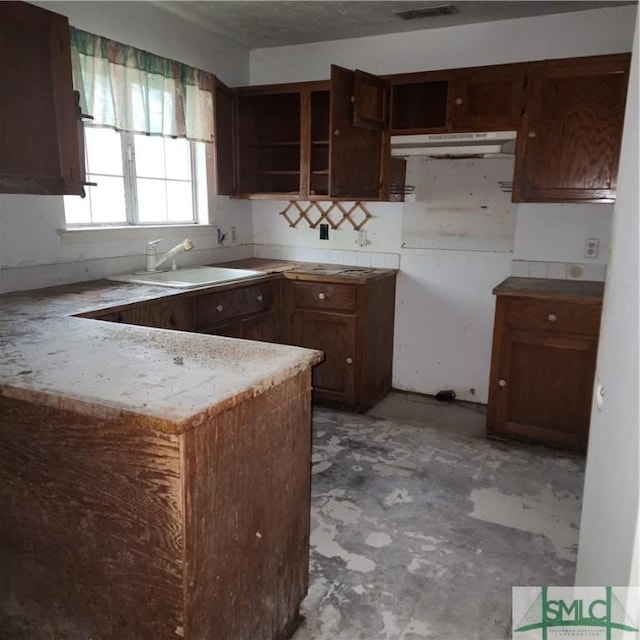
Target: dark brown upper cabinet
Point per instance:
(272, 140)
(309, 141)
(488, 98)
(356, 151)
(472, 99)
(370, 101)
(569, 142)
(420, 102)
(224, 171)
(39, 146)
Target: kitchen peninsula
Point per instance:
(153, 483)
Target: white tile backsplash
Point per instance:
(520, 268)
(376, 259)
(559, 270)
(538, 269)
(363, 259)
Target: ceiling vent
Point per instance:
(428, 12)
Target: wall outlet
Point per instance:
(324, 232)
(362, 240)
(591, 246)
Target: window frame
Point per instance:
(130, 177)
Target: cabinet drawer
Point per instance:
(553, 316)
(318, 295)
(214, 308)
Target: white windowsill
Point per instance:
(72, 235)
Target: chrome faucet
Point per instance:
(153, 262)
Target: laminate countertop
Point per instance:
(309, 271)
(546, 288)
(169, 381)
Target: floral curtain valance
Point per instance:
(133, 90)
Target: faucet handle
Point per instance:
(153, 243)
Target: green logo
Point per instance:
(603, 614)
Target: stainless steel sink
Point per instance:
(187, 278)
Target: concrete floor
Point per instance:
(420, 526)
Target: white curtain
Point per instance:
(133, 90)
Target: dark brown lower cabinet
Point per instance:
(350, 320)
(113, 529)
(262, 327)
(335, 335)
(250, 312)
(544, 358)
(353, 324)
(171, 314)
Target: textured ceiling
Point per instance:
(265, 23)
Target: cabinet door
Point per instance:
(370, 101)
(355, 152)
(488, 98)
(263, 327)
(335, 334)
(569, 145)
(224, 171)
(39, 151)
(542, 387)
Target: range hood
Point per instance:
(455, 145)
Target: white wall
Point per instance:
(558, 36)
(150, 28)
(609, 550)
(33, 253)
(444, 305)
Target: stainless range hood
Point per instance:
(455, 145)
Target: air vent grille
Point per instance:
(428, 12)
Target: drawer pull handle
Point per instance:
(552, 317)
(322, 296)
(349, 361)
(458, 101)
(531, 134)
(259, 297)
(502, 383)
(219, 308)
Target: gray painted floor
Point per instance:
(420, 526)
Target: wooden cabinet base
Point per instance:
(113, 531)
(353, 324)
(543, 364)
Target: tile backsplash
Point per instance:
(378, 259)
(559, 270)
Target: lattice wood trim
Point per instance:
(334, 213)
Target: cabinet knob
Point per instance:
(259, 297)
(502, 383)
(349, 361)
(336, 132)
(458, 101)
(322, 296)
(552, 317)
(531, 134)
(219, 308)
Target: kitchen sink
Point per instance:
(187, 278)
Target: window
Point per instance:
(145, 148)
(140, 180)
